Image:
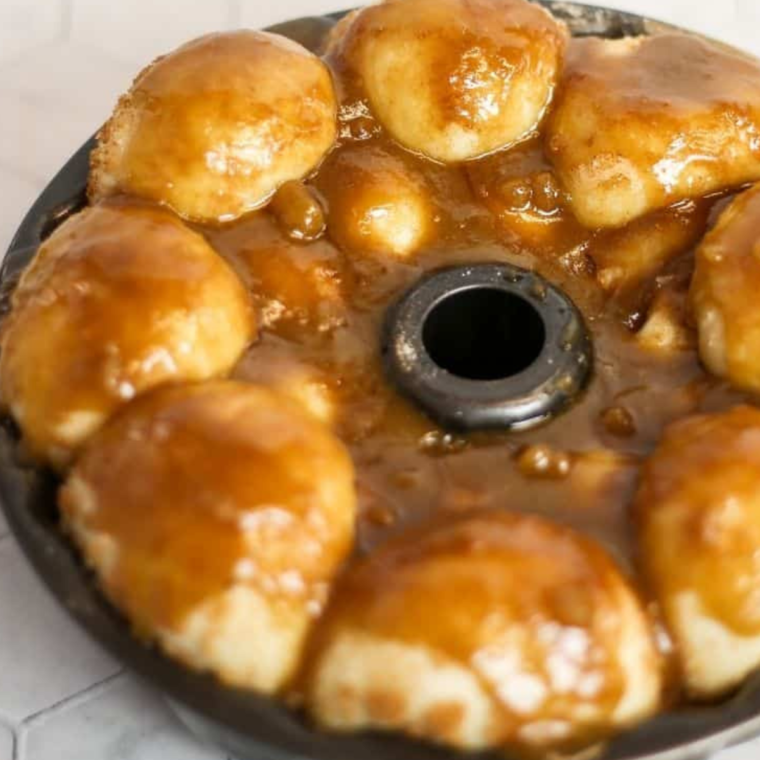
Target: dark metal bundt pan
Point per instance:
(244, 724)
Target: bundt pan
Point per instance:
(244, 724)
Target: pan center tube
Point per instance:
(487, 346)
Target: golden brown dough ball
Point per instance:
(378, 204)
(214, 516)
(118, 300)
(215, 127)
(496, 630)
(724, 293)
(640, 123)
(698, 514)
(454, 79)
(628, 257)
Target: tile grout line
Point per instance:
(16, 753)
(10, 725)
(7, 721)
(67, 20)
(72, 700)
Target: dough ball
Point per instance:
(724, 293)
(454, 79)
(629, 258)
(498, 630)
(118, 300)
(215, 516)
(215, 127)
(643, 122)
(378, 204)
(698, 516)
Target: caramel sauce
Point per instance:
(408, 467)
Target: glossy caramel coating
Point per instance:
(298, 212)
(628, 258)
(641, 123)
(521, 188)
(454, 79)
(214, 516)
(297, 287)
(378, 204)
(215, 127)
(698, 516)
(120, 299)
(494, 630)
(724, 293)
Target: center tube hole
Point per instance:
(483, 333)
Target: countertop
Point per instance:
(63, 63)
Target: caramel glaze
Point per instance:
(321, 309)
(581, 469)
(409, 470)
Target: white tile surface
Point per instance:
(748, 10)
(53, 99)
(744, 32)
(749, 751)
(44, 658)
(63, 63)
(256, 14)
(728, 20)
(137, 32)
(123, 721)
(6, 742)
(26, 25)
